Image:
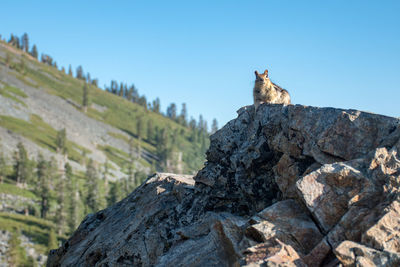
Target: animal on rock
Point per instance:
(265, 91)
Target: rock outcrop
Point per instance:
(286, 186)
(15, 204)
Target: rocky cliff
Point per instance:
(286, 186)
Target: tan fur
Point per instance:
(266, 91)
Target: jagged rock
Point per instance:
(4, 238)
(286, 174)
(372, 207)
(353, 254)
(137, 230)
(385, 233)
(285, 186)
(272, 252)
(286, 221)
(317, 254)
(328, 190)
(216, 241)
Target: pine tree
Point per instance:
(34, 52)
(17, 42)
(150, 131)
(114, 87)
(46, 170)
(200, 126)
(70, 70)
(88, 78)
(95, 82)
(12, 252)
(79, 73)
(126, 92)
(72, 199)
(22, 165)
(193, 133)
(163, 147)
(63, 69)
(121, 90)
(93, 195)
(14, 41)
(15, 255)
(47, 59)
(183, 116)
(126, 187)
(192, 124)
(115, 194)
(11, 39)
(85, 99)
(130, 179)
(214, 126)
(25, 42)
(156, 107)
(139, 132)
(143, 101)
(133, 94)
(61, 191)
(102, 199)
(61, 215)
(171, 111)
(61, 141)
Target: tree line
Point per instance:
(64, 197)
(166, 140)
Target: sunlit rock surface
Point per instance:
(286, 186)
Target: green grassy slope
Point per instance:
(41, 133)
(118, 112)
(8, 188)
(13, 93)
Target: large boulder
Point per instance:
(283, 186)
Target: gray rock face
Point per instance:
(4, 237)
(286, 186)
(30, 250)
(14, 203)
(26, 243)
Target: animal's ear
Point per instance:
(256, 72)
(266, 73)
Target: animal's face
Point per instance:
(261, 78)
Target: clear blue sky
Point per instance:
(326, 53)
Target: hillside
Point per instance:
(285, 186)
(40, 97)
(123, 141)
